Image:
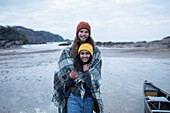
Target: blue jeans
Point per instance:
(77, 105)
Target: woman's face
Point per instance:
(83, 34)
(84, 56)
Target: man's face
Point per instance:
(83, 34)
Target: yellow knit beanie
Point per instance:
(86, 46)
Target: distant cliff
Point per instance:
(11, 34)
(18, 35)
(38, 36)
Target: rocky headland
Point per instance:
(15, 36)
(164, 43)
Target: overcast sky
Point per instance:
(110, 20)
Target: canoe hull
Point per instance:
(155, 99)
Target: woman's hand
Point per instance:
(73, 74)
(86, 67)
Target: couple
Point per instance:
(76, 84)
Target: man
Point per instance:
(83, 33)
(65, 63)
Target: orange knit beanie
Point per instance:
(83, 25)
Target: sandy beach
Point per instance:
(26, 78)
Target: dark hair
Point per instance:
(78, 63)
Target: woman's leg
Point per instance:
(74, 104)
(88, 105)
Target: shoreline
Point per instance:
(106, 52)
(30, 52)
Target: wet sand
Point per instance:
(26, 78)
(124, 71)
(136, 52)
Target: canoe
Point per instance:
(155, 99)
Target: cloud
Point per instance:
(127, 1)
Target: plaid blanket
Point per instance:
(65, 64)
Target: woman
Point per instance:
(79, 102)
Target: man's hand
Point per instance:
(86, 67)
(73, 74)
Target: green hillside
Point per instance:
(11, 34)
